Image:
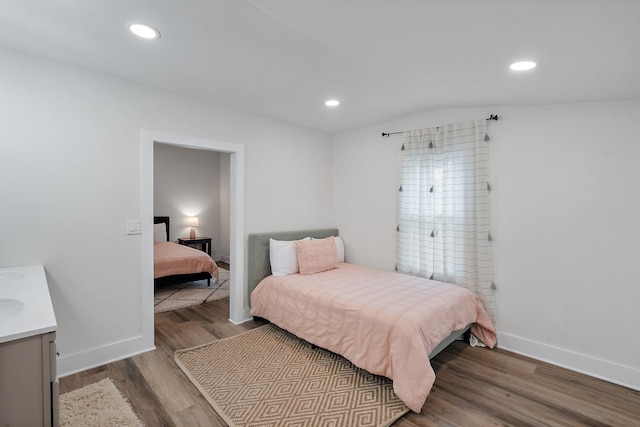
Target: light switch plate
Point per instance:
(134, 226)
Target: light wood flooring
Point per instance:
(474, 386)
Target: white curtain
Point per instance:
(443, 230)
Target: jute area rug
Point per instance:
(269, 377)
(97, 405)
(173, 297)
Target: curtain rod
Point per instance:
(491, 117)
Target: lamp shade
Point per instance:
(192, 221)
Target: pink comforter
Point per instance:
(171, 259)
(386, 323)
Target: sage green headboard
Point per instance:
(258, 262)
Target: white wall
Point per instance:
(565, 205)
(71, 176)
(188, 182)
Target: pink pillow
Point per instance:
(317, 255)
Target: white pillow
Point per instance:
(159, 233)
(339, 248)
(283, 257)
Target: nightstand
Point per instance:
(204, 242)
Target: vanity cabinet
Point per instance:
(28, 358)
(28, 382)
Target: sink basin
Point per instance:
(10, 307)
(10, 276)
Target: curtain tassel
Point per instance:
(431, 144)
(490, 238)
(431, 189)
(400, 189)
(398, 228)
(402, 149)
(493, 286)
(486, 137)
(396, 267)
(433, 233)
(488, 187)
(431, 277)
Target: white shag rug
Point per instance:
(98, 405)
(173, 297)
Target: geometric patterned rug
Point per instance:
(173, 297)
(269, 377)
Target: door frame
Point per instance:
(238, 305)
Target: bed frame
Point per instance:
(177, 278)
(259, 266)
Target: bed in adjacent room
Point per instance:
(388, 323)
(174, 263)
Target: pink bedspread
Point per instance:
(171, 258)
(386, 323)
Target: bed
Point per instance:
(387, 323)
(174, 263)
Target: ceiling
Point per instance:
(381, 59)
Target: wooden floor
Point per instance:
(474, 386)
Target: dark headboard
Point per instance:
(259, 263)
(162, 220)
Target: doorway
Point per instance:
(193, 183)
(238, 301)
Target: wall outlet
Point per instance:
(134, 226)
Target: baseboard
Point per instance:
(245, 317)
(222, 257)
(74, 363)
(625, 376)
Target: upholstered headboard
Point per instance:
(259, 264)
(162, 220)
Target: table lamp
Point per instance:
(192, 222)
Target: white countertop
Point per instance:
(26, 285)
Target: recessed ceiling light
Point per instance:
(145, 31)
(332, 103)
(523, 65)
